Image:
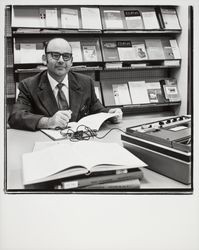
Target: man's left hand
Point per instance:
(118, 112)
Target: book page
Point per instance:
(138, 91)
(94, 122)
(91, 18)
(51, 160)
(69, 18)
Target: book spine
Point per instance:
(132, 184)
(102, 179)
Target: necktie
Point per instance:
(61, 98)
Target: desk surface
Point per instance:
(19, 142)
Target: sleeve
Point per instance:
(22, 116)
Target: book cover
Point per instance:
(121, 94)
(113, 19)
(125, 50)
(171, 49)
(51, 18)
(42, 17)
(171, 91)
(139, 50)
(50, 162)
(154, 49)
(170, 18)
(133, 19)
(69, 18)
(138, 92)
(154, 91)
(89, 53)
(149, 18)
(110, 51)
(91, 18)
(76, 51)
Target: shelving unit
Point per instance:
(26, 28)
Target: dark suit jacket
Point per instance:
(36, 99)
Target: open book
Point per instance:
(93, 122)
(76, 158)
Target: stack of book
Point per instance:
(81, 165)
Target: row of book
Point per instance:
(123, 49)
(96, 165)
(97, 18)
(140, 92)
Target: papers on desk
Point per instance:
(93, 122)
(69, 159)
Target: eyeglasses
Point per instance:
(56, 55)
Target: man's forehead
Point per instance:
(59, 45)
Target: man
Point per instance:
(40, 100)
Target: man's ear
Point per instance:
(44, 59)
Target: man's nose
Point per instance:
(61, 59)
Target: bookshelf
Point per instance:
(115, 45)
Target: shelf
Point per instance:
(141, 31)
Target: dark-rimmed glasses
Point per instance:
(56, 55)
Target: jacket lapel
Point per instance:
(46, 96)
(75, 95)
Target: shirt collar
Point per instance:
(54, 83)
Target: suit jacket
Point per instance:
(36, 99)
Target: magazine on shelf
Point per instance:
(69, 18)
(113, 19)
(170, 18)
(121, 94)
(76, 51)
(155, 92)
(91, 18)
(154, 49)
(110, 51)
(138, 92)
(133, 19)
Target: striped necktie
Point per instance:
(61, 98)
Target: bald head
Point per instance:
(58, 44)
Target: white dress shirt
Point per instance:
(53, 84)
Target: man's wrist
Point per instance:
(43, 123)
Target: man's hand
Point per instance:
(60, 119)
(118, 117)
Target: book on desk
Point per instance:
(79, 164)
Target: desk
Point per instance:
(19, 142)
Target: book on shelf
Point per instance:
(133, 19)
(110, 52)
(154, 91)
(125, 50)
(42, 17)
(89, 53)
(113, 19)
(138, 92)
(121, 94)
(51, 18)
(98, 91)
(171, 49)
(82, 158)
(28, 53)
(90, 18)
(170, 18)
(154, 49)
(94, 122)
(139, 50)
(69, 18)
(76, 51)
(112, 184)
(170, 89)
(150, 18)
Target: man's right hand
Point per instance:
(60, 119)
